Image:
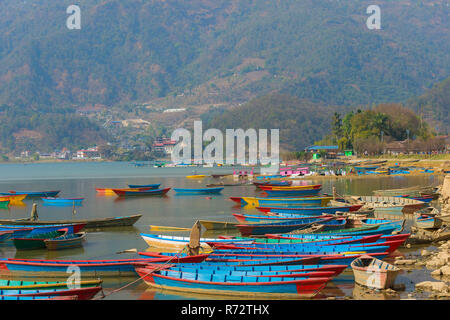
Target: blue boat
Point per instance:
(199, 190)
(232, 285)
(280, 227)
(62, 201)
(293, 193)
(302, 248)
(337, 269)
(152, 186)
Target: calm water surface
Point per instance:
(81, 179)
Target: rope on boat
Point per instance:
(176, 255)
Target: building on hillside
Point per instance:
(135, 123)
(164, 145)
(174, 110)
(90, 153)
(330, 151)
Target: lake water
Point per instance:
(81, 179)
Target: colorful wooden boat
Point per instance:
(92, 223)
(105, 191)
(167, 228)
(36, 241)
(254, 218)
(198, 190)
(81, 293)
(335, 269)
(5, 235)
(288, 188)
(309, 210)
(14, 199)
(399, 224)
(62, 201)
(221, 284)
(365, 230)
(264, 202)
(292, 193)
(110, 191)
(6, 284)
(138, 186)
(218, 225)
(88, 268)
(273, 183)
(23, 230)
(67, 241)
(426, 222)
(374, 273)
(4, 204)
(175, 242)
(32, 194)
(138, 193)
(280, 227)
(260, 261)
(196, 176)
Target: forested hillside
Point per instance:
(135, 50)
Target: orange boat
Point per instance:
(14, 199)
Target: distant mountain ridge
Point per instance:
(134, 51)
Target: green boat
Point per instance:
(36, 241)
(4, 204)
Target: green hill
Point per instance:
(434, 106)
(136, 50)
(301, 122)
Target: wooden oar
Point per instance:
(164, 228)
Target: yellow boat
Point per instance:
(14, 199)
(164, 228)
(196, 176)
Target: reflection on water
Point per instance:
(81, 179)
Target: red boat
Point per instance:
(150, 192)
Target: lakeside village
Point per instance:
(313, 160)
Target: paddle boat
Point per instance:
(66, 241)
(62, 201)
(32, 194)
(280, 227)
(309, 210)
(136, 193)
(88, 268)
(374, 273)
(262, 202)
(198, 190)
(334, 269)
(427, 222)
(81, 293)
(91, 223)
(299, 192)
(232, 285)
(139, 186)
(6, 284)
(25, 230)
(36, 241)
(175, 242)
(196, 176)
